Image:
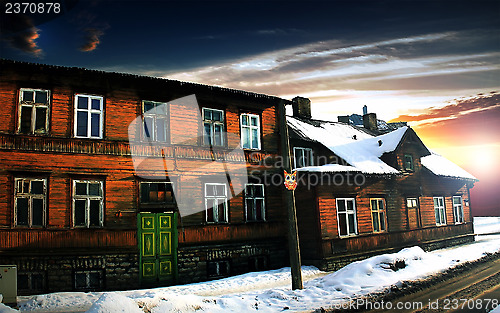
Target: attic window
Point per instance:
(408, 162)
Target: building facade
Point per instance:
(372, 189)
(115, 181)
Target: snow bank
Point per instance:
(114, 303)
(270, 291)
(7, 309)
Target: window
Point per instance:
(346, 215)
(218, 269)
(157, 193)
(155, 119)
(250, 131)
(88, 280)
(89, 115)
(254, 202)
(33, 111)
(378, 214)
(30, 282)
(302, 157)
(216, 203)
(213, 127)
(408, 162)
(439, 211)
(413, 213)
(30, 196)
(458, 210)
(258, 263)
(88, 203)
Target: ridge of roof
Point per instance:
(131, 75)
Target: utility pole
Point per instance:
(293, 234)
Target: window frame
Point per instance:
(87, 279)
(440, 210)
(213, 123)
(215, 213)
(381, 221)
(155, 116)
(33, 106)
(218, 264)
(416, 207)
(458, 210)
(303, 151)
(250, 127)
(30, 196)
(252, 212)
(408, 166)
(30, 275)
(89, 111)
(87, 199)
(353, 212)
(157, 203)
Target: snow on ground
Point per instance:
(270, 291)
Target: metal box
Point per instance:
(8, 283)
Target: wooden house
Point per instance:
(88, 202)
(372, 189)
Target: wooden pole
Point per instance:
(293, 234)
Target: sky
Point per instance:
(434, 64)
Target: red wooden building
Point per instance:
(115, 181)
(80, 210)
(372, 189)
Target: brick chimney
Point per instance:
(301, 107)
(343, 119)
(370, 121)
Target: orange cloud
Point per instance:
(479, 102)
(92, 39)
(21, 33)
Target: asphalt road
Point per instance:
(476, 290)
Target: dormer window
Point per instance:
(408, 162)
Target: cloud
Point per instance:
(21, 34)
(92, 39)
(460, 108)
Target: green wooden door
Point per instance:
(157, 248)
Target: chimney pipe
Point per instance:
(370, 121)
(301, 107)
(365, 110)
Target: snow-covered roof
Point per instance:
(358, 148)
(329, 168)
(441, 166)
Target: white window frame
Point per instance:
(155, 116)
(378, 214)
(347, 213)
(439, 211)
(19, 192)
(210, 202)
(87, 199)
(34, 106)
(89, 111)
(251, 212)
(458, 210)
(250, 128)
(302, 151)
(213, 123)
